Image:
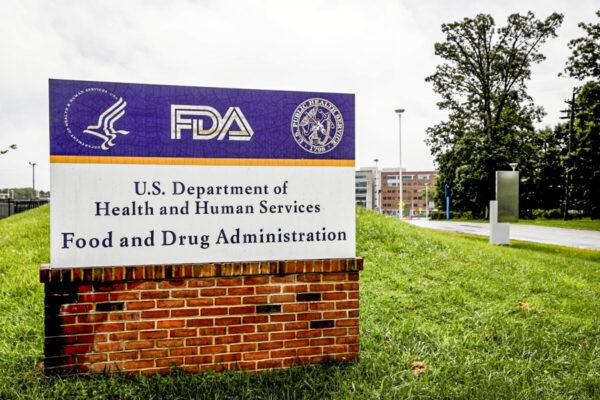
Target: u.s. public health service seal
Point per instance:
(317, 125)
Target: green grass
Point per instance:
(450, 301)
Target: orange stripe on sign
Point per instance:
(255, 162)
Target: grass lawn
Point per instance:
(583, 223)
(487, 322)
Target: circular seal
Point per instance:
(317, 125)
(90, 116)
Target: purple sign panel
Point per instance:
(105, 119)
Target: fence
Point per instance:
(9, 207)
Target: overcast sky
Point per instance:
(379, 50)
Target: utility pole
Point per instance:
(399, 111)
(571, 117)
(33, 165)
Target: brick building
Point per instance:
(415, 183)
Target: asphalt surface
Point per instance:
(530, 233)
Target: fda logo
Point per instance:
(205, 123)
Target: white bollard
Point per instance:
(499, 231)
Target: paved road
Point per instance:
(530, 233)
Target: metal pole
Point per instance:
(33, 176)
(447, 202)
(426, 201)
(401, 184)
(376, 185)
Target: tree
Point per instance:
(482, 84)
(11, 147)
(584, 61)
(584, 159)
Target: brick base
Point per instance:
(250, 316)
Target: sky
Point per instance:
(380, 50)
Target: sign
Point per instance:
(507, 195)
(153, 174)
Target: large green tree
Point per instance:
(584, 61)
(482, 84)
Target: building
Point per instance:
(366, 188)
(416, 188)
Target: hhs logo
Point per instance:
(205, 123)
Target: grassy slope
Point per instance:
(447, 300)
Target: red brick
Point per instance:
(269, 364)
(170, 323)
(354, 295)
(335, 314)
(229, 282)
(169, 343)
(297, 343)
(93, 297)
(322, 287)
(347, 322)
(284, 353)
(183, 332)
(322, 306)
(168, 362)
(154, 334)
(170, 303)
(155, 314)
(76, 349)
(199, 360)
(270, 327)
(240, 291)
(309, 278)
(334, 332)
(138, 326)
(77, 329)
(228, 321)
(256, 319)
(259, 355)
(221, 358)
(220, 301)
(124, 355)
(256, 280)
(282, 317)
(200, 282)
(322, 341)
(312, 333)
(338, 277)
(185, 312)
(241, 310)
(308, 316)
(228, 339)
(291, 326)
(213, 349)
(283, 335)
(171, 284)
(334, 296)
(140, 305)
(124, 336)
(343, 305)
(270, 345)
(141, 344)
(141, 285)
(124, 296)
(184, 293)
(309, 351)
(200, 322)
(334, 349)
(295, 307)
(282, 298)
(268, 289)
(241, 329)
(242, 347)
(106, 347)
(124, 316)
(200, 302)
(90, 318)
(214, 311)
(213, 292)
(199, 341)
(183, 351)
(155, 294)
(295, 289)
(110, 327)
(255, 300)
(256, 337)
(283, 279)
(76, 308)
(140, 364)
(346, 286)
(219, 330)
(154, 354)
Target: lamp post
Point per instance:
(399, 111)
(33, 165)
(376, 185)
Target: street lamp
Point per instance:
(376, 185)
(399, 111)
(33, 165)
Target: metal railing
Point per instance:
(9, 207)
